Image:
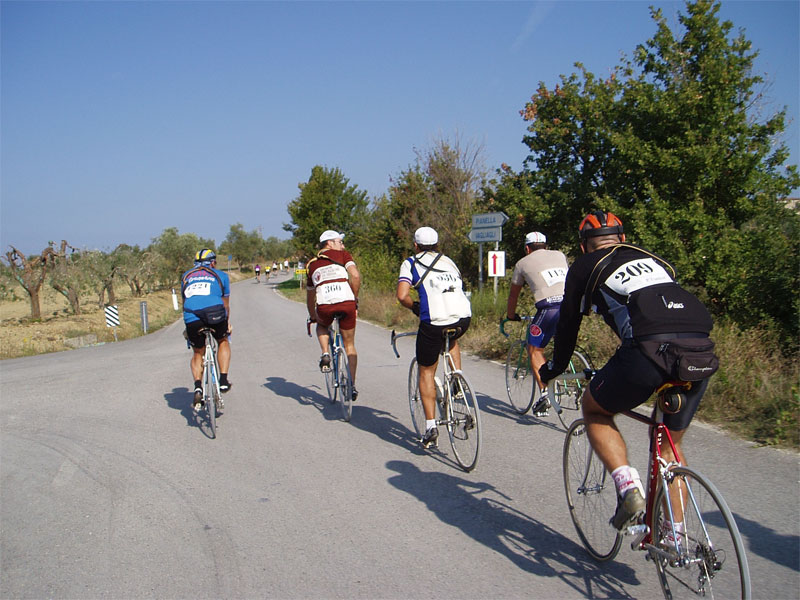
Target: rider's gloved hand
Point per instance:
(547, 372)
(516, 317)
(415, 307)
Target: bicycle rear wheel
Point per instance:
(570, 392)
(330, 376)
(708, 557)
(591, 495)
(209, 399)
(463, 422)
(519, 379)
(415, 400)
(344, 384)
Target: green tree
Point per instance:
(244, 246)
(30, 272)
(326, 201)
(174, 253)
(68, 276)
(671, 143)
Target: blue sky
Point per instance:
(119, 119)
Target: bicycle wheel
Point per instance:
(708, 557)
(208, 397)
(591, 495)
(463, 422)
(519, 379)
(415, 400)
(330, 376)
(344, 384)
(570, 392)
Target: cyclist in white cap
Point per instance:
(442, 305)
(332, 288)
(545, 272)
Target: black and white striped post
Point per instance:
(112, 318)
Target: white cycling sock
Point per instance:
(626, 478)
(430, 424)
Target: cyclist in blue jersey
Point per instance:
(206, 295)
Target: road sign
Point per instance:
(495, 219)
(112, 316)
(497, 263)
(486, 234)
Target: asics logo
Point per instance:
(671, 304)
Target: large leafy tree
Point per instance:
(673, 143)
(174, 253)
(245, 247)
(326, 201)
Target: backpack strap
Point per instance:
(428, 269)
(597, 273)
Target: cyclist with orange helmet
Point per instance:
(206, 295)
(636, 294)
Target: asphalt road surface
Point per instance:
(110, 489)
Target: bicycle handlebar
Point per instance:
(504, 320)
(395, 336)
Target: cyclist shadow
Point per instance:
(529, 544)
(501, 408)
(181, 399)
(775, 547)
(306, 396)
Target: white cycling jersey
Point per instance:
(441, 295)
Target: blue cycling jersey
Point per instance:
(203, 287)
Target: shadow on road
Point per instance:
(485, 514)
(502, 408)
(306, 396)
(780, 548)
(181, 399)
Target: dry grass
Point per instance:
(20, 336)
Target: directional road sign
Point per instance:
(495, 219)
(486, 234)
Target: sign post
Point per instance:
(112, 318)
(487, 227)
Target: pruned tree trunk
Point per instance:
(30, 274)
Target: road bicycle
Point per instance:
(455, 401)
(563, 393)
(212, 398)
(338, 380)
(687, 530)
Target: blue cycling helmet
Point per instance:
(204, 257)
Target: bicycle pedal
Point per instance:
(638, 533)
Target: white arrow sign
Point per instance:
(495, 219)
(486, 234)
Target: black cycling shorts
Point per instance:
(198, 340)
(629, 379)
(430, 340)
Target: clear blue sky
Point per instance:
(119, 119)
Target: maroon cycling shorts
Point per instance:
(346, 310)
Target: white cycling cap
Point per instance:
(535, 237)
(426, 236)
(330, 234)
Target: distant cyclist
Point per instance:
(258, 272)
(636, 294)
(442, 305)
(206, 295)
(544, 271)
(332, 287)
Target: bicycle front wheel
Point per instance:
(415, 400)
(704, 554)
(344, 384)
(463, 422)
(519, 379)
(570, 392)
(591, 495)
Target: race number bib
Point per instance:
(553, 276)
(199, 288)
(637, 274)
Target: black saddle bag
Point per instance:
(685, 359)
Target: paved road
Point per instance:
(110, 490)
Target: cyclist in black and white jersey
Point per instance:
(636, 294)
(442, 305)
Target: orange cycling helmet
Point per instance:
(598, 223)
